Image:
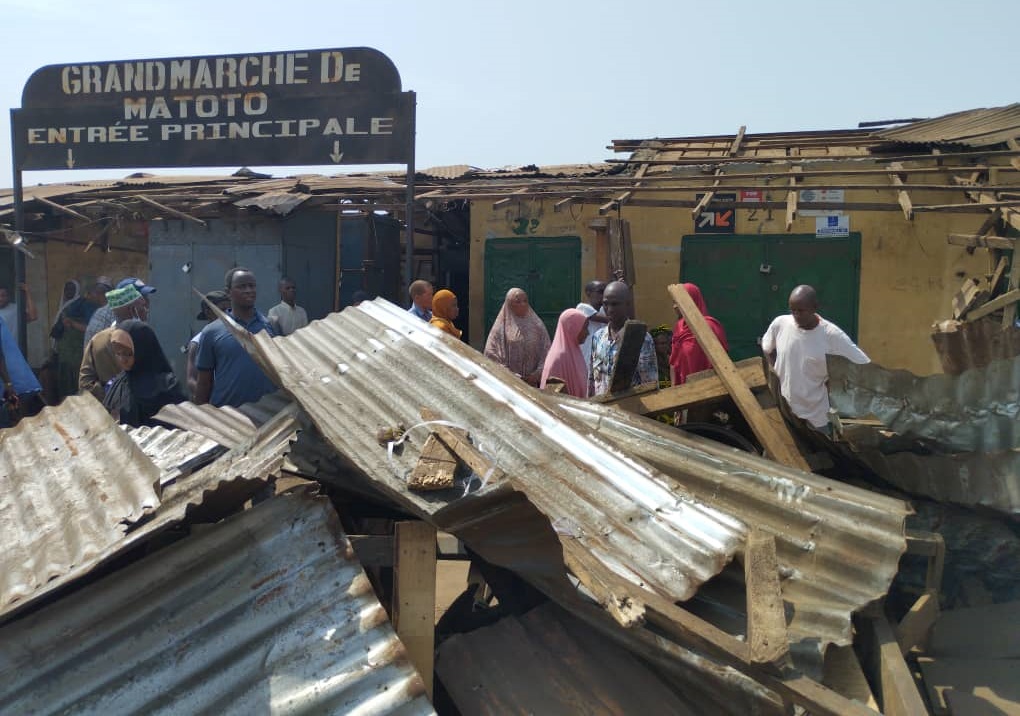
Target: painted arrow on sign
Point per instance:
(337, 155)
(70, 159)
(706, 219)
(723, 219)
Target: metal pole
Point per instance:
(409, 208)
(19, 257)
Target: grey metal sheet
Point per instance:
(217, 489)
(838, 546)
(376, 366)
(983, 127)
(175, 452)
(71, 484)
(268, 612)
(277, 202)
(976, 411)
(227, 426)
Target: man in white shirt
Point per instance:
(796, 345)
(9, 309)
(592, 308)
(286, 317)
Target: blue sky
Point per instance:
(511, 83)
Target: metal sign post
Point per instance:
(301, 108)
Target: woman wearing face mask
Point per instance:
(147, 382)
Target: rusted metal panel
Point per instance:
(70, 485)
(965, 345)
(175, 452)
(838, 546)
(375, 366)
(267, 612)
(976, 411)
(217, 489)
(546, 662)
(984, 127)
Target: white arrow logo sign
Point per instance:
(70, 159)
(337, 155)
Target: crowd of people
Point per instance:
(103, 345)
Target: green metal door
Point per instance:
(746, 280)
(549, 269)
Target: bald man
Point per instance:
(617, 301)
(796, 345)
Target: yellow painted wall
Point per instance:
(909, 272)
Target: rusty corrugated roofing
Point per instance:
(228, 426)
(175, 452)
(268, 612)
(218, 488)
(71, 484)
(375, 366)
(984, 127)
(546, 662)
(838, 546)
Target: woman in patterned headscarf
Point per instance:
(519, 339)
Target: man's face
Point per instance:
(5, 297)
(803, 312)
(616, 304)
(288, 291)
(98, 294)
(663, 344)
(595, 295)
(242, 290)
(424, 299)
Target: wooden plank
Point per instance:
(996, 278)
(971, 295)
(706, 197)
(895, 684)
(984, 242)
(457, 441)
(57, 207)
(915, 626)
(692, 393)
(902, 196)
(414, 594)
(1009, 314)
(763, 429)
(627, 355)
(436, 467)
(766, 619)
(791, 199)
(173, 212)
(843, 674)
(1007, 299)
(737, 140)
(932, 546)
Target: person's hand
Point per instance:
(23, 286)
(10, 397)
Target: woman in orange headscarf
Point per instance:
(686, 356)
(445, 311)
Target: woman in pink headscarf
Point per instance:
(518, 339)
(686, 356)
(565, 360)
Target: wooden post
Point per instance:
(897, 690)
(775, 447)
(414, 595)
(766, 618)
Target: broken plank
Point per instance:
(435, 468)
(414, 594)
(693, 392)
(791, 199)
(933, 546)
(1009, 314)
(971, 295)
(706, 198)
(983, 242)
(915, 626)
(775, 447)
(1007, 299)
(766, 619)
(457, 441)
(997, 273)
(901, 195)
(895, 684)
(632, 339)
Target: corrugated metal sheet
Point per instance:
(268, 612)
(70, 485)
(974, 344)
(453, 171)
(175, 452)
(227, 426)
(217, 489)
(984, 127)
(546, 662)
(376, 365)
(276, 202)
(838, 546)
(976, 411)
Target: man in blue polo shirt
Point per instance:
(227, 375)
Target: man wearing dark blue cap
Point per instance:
(103, 317)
